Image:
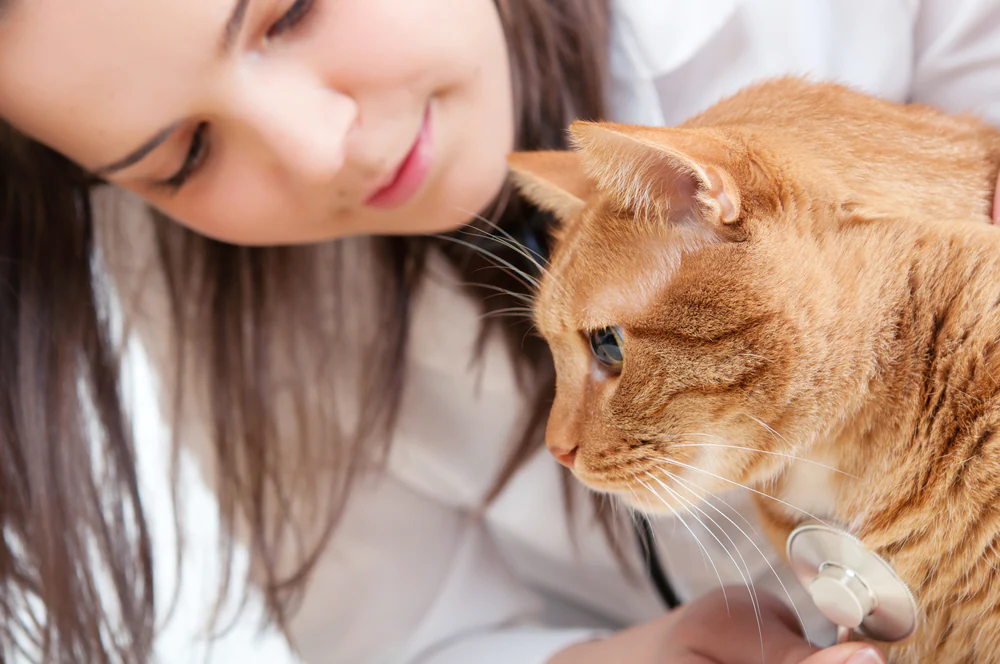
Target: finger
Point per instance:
(848, 653)
(734, 636)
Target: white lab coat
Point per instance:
(413, 574)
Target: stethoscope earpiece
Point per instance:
(854, 588)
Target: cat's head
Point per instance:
(688, 308)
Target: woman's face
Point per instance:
(271, 121)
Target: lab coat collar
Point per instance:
(651, 38)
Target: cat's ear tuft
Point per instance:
(660, 172)
(554, 180)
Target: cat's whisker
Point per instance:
(531, 328)
(638, 499)
(526, 311)
(697, 540)
(669, 438)
(769, 429)
(541, 262)
(540, 259)
(747, 578)
(522, 276)
(516, 248)
(633, 512)
(525, 301)
(769, 453)
(499, 290)
(647, 509)
(681, 464)
(511, 242)
(682, 484)
(534, 256)
(633, 516)
(711, 496)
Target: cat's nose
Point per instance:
(564, 456)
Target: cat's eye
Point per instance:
(606, 345)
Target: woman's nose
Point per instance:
(299, 123)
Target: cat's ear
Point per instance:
(659, 171)
(554, 180)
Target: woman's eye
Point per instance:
(298, 11)
(196, 155)
(606, 345)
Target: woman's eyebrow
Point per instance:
(230, 35)
(234, 26)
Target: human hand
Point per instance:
(704, 632)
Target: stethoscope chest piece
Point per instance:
(853, 587)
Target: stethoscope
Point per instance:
(854, 588)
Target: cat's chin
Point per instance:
(603, 485)
(652, 497)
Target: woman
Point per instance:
(368, 441)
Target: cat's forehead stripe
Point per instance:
(625, 281)
(627, 298)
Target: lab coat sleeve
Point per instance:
(408, 580)
(957, 56)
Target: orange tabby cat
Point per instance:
(801, 271)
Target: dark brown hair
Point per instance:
(75, 559)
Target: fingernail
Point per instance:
(866, 656)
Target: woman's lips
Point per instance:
(411, 173)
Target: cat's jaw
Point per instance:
(809, 491)
(819, 487)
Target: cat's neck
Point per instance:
(934, 347)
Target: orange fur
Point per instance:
(807, 271)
